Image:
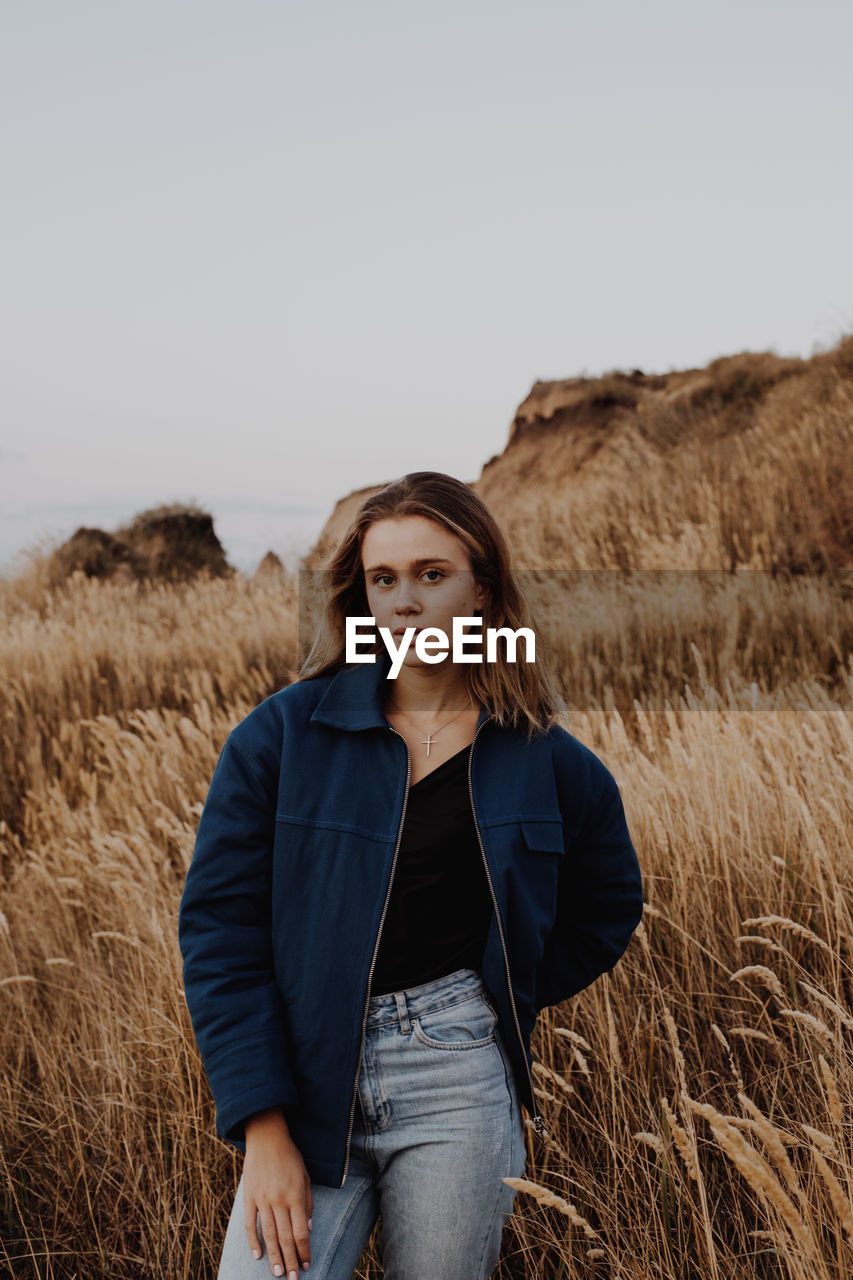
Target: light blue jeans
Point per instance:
(437, 1126)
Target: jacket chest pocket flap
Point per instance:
(543, 835)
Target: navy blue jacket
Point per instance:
(289, 881)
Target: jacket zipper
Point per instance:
(376, 949)
(538, 1122)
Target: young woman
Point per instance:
(391, 878)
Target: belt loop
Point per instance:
(403, 1012)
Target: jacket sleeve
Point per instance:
(599, 896)
(225, 937)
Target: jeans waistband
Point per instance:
(399, 1006)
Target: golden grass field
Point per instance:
(700, 1097)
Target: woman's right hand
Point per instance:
(276, 1185)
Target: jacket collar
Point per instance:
(355, 697)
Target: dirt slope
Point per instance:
(748, 461)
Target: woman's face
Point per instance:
(417, 574)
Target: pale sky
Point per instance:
(256, 255)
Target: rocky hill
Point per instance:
(747, 462)
(170, 543)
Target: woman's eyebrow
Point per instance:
(415, 564)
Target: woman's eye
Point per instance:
(381, 579)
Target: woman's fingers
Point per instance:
(287, 1239)
(274, 1240)
(251, 1225)
(288, 1255)
(301, 1233)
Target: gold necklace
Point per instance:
(427, 742)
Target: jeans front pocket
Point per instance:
(466, 1024)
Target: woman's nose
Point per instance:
(406, 599)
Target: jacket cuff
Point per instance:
(232, 1115)
(248, 1077)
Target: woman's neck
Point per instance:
(421, 693)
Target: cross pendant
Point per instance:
(426, 741)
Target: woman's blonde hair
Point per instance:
(516, 692)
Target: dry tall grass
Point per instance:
(699, 1098)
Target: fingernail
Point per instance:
(293, 1275)
(310, 1220)
(305, 1266)
(256, 1253)
(278, 1269)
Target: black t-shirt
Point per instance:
(440, 907)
